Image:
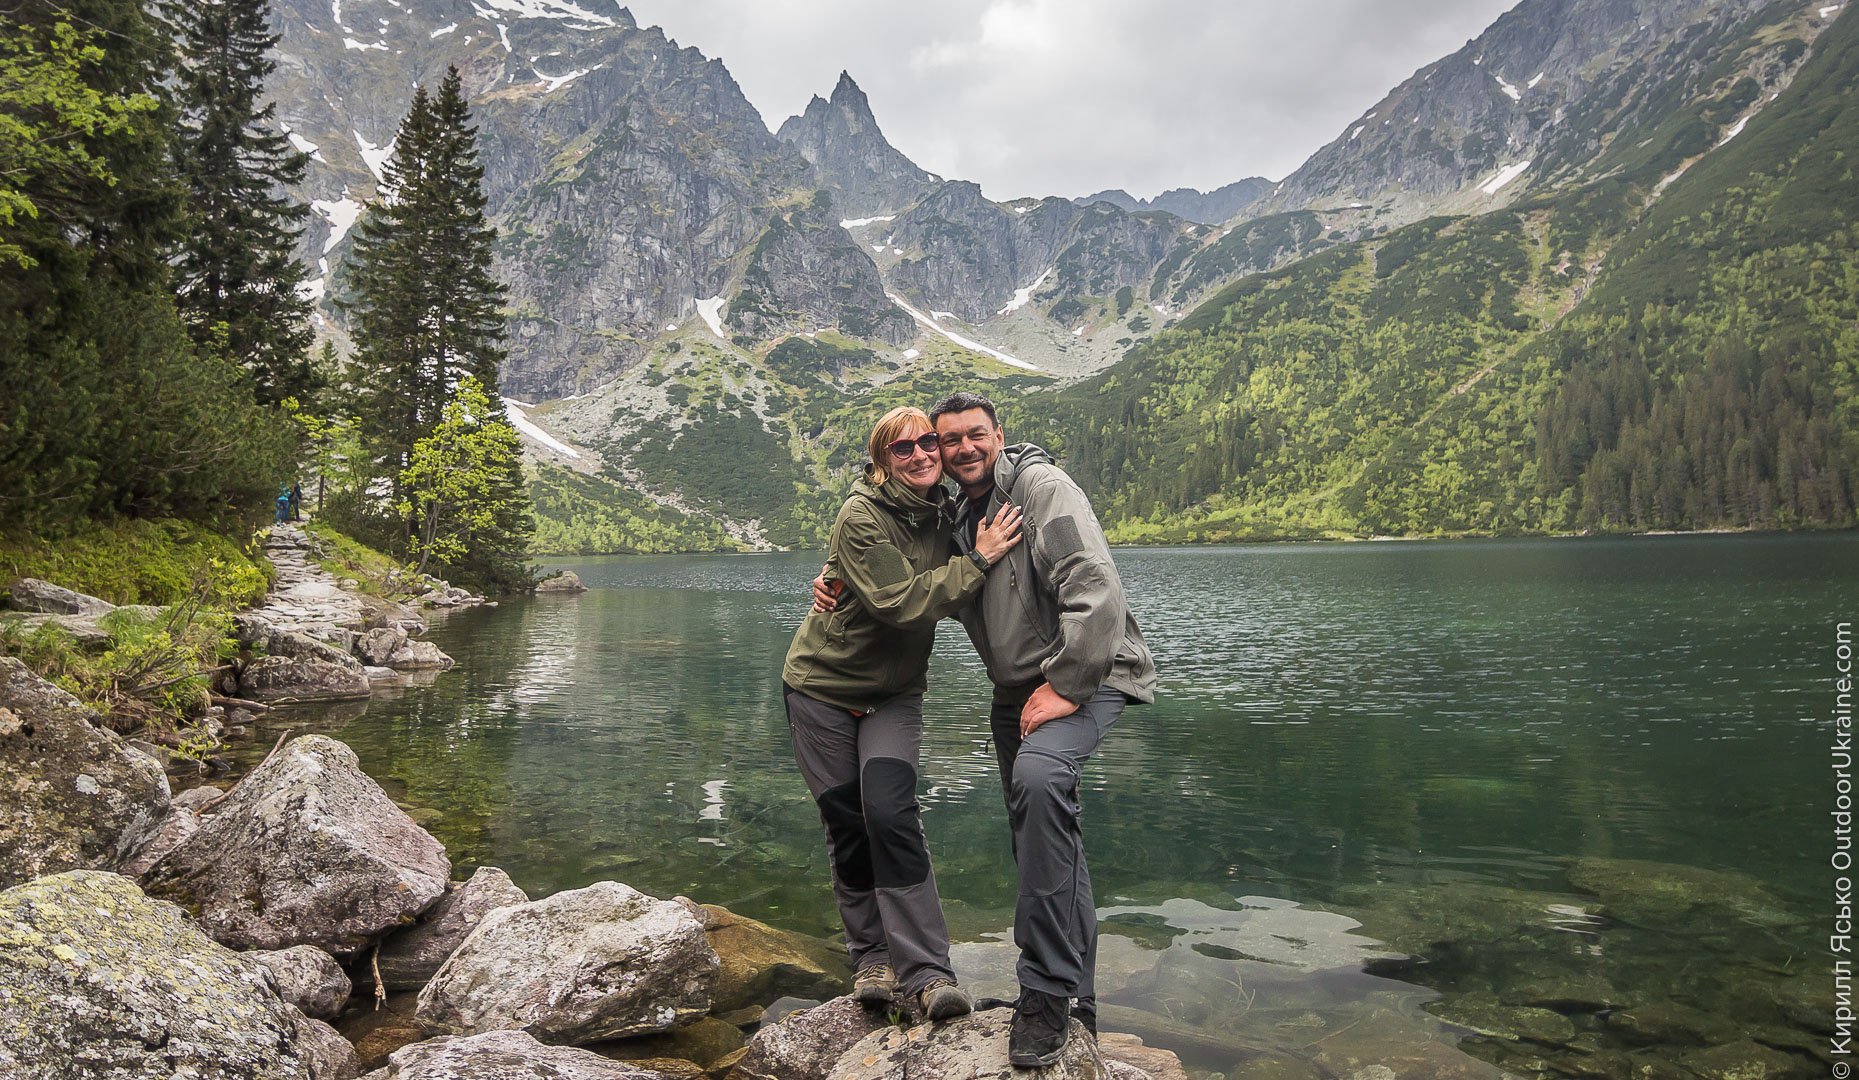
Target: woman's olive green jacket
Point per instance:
(892, 548)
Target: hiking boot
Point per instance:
(1085, 1012)
(1041, 1022)
(941, 999)
(875, 984)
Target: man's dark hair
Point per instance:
(962, 401)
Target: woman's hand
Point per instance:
(999, 536)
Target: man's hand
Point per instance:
(826, 593)
(1044, 705)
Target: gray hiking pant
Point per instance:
(1055, 917)
(862, 771)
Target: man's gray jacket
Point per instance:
(1053, 608)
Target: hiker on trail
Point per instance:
(854, 681)
(296, 500)
(283, 513)
(1056, 635)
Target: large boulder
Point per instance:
(307, 850)
(31, 594)
(973, 1046)
(282, 680)
(503, 1055)
(806, 1045)
(98, 980)
(392, 647)
(307, 977)
(604, 962)
(1131, 1052)
(761, 963)
(410, 958)
(566, 583)
(74, 794)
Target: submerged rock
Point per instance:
(98, 980)
(807, 1044)
(761, 963)
(504, 1055)
(308, 850)
(76, 796)
(1152, 1062)
(973, 1046)
(604, 962)
(410, 958)
(307, 977)
(1662, 895)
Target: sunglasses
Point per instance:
(905, 449)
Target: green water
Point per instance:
(1420, 738)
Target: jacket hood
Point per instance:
(897, 497)
(1013, 460)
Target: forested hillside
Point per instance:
(1672, 347)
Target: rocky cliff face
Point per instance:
(955, 251)
(806, 274)
(851, 157)
(1533, 101)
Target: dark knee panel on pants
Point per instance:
(844, 817)
(899, 856)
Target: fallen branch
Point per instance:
(238, 703)
(380, 991)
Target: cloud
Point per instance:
(1041, 97)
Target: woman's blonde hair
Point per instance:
(890, 428)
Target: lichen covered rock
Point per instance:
(806, 1045)
(98, 980)
(504, 1055)
(74, 794)
(604, 962)
(973, 1046)
(308, 850)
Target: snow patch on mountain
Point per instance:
(539, 9)
(374, 156)
(711, 311)
(442, 31)
(527, 427)
(1510, 91)
(1504, 176)
(1021, 297)
(967, 343)
(341, 215)
(853, 223)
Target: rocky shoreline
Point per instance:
(256, 932)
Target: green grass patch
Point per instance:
(132, 561)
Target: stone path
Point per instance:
(305, 598)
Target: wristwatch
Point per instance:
(979, 559)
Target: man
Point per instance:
(1065, 656)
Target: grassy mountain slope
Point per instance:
(1647, 351)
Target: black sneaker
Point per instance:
(1040, 1026)
(1085, 1012)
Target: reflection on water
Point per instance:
(1397, 795)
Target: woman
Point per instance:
(855, 678)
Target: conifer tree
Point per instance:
(237, 268)
(427, 311)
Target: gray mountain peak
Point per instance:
(841, 139)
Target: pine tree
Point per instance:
(427, 311)
(237, 269)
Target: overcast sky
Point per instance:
(1067, 97)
